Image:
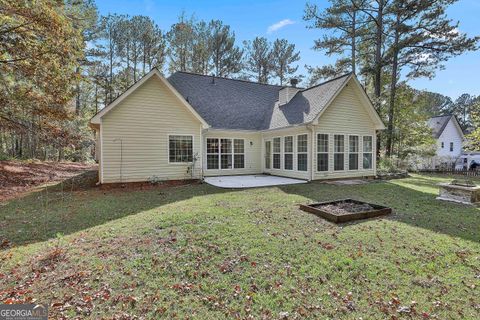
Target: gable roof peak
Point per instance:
(328, 81)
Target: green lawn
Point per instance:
(206, 253)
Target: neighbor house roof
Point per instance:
(237, 104)
(438, 124)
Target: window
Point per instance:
(213, 153)
(225, 153)
(268, 151)
(451, 146)
(322, 152)
(367, 152)
(443, 144)
(353, 153)
(338, 155)
(180, 149)
(276, 153)
(239, 153)
(288, 153)
(226, 160)
(302, 152)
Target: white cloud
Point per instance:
(280, 24)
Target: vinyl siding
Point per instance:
(450, 134)
(143, 121)
(348, 116)
(253, 152)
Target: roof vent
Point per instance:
(213, 78)
(293, 82)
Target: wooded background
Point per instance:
(60, 62)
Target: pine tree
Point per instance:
(348, 25)
(227, 58)
(283, 56)
(423, 38)
(259, 58)
(180, 44)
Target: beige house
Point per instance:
(194, 126)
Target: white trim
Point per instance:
(344, 151)
(371, 152)
(104, 111)
(101, 151)
(220, 131)
(200, 153)
(312, 152)
(327, 153)
(264, 148)
(284, 128)
(357, 153)
(220, 153)
(168, 148)
(296, 152)
(285, 153)
(280, 153)
(371, 110)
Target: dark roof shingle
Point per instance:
(243, 105)
(438, 124)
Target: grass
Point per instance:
(202, 252)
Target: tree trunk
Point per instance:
(77, 95)
(96, 97)
(110, 81)
(127, 75)
(378, 64)
(354, 39)
(393, 90)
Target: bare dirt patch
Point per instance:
(18, 177)
(342, 208)
(345, 210)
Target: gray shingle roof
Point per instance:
(438, 124)
(306, 104)
(244, 105)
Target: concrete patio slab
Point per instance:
(250, 181)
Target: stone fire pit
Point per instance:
(465, 192)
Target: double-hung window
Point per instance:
(225, 153)
(213, 153)
(226, 159)
(339, 152)
(276, 153)
(322, 152)
(367, 152)
(239, 153)
(268, 154)
(180, 149)
(288, 153)
(302, 152)
(353, 146)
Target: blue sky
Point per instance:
(251, 18)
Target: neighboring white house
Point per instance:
(192, 126)
(449, 139)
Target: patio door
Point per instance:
(268, 153)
